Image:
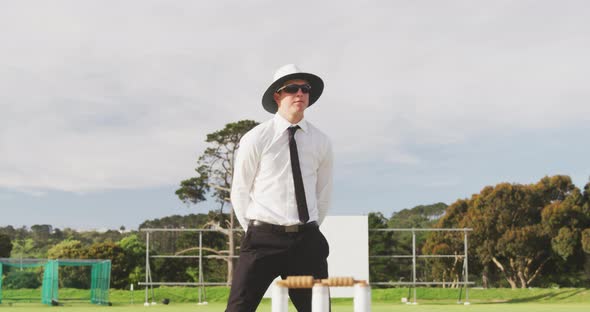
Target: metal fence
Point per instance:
(149, 283)
(465, 283)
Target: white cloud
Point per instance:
(98, 96)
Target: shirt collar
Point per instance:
(281, 124)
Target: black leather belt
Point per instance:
(268, 227)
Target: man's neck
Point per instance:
(292, 118)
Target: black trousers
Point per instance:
(264, 255)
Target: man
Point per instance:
(281, 192)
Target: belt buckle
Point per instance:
(292, 228)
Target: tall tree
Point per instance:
(214, 173)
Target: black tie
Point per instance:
(297, 179)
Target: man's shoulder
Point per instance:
(257, 133)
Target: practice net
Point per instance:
(100, 276)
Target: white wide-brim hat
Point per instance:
(286, 73)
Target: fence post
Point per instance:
(466, 265)
(201, 267)
(147, 265)
(414, 262)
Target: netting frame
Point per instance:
(201, 284)
(100, 277)
(413, 284)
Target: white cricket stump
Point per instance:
(320, 298)
(280, 298)
(362, 297)
(320, 292)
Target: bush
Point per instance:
(22, 279)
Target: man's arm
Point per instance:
(245, 167)
(324, 184)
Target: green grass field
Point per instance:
(429, 299)
(337, 307)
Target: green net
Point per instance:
(50, 282)
(100, 278)
(20, 264)
(99, 285)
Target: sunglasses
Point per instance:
(293, 88)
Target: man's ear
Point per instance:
(276, 96)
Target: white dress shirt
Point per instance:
(263, 187)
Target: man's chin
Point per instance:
(299, 106)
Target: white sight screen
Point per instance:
(348, 237)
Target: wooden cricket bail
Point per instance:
(297, 282)
(309, 281)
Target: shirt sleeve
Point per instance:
(245, 167)
(324, 183)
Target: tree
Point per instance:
(504, 220)
(386, 243)
(185, 243)
(564, 221)
(447, 243)
(513, 223)
(134, 250)
(41, 234)
(9, 231)
(5, 246)
(585, 237)
(24, 248)
(214, 172)
(17, 279)
(112, 251)
(215, 165)
(422, 216)
(380, 244)
(75, 277)
(417, 217)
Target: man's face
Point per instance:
(292, 103)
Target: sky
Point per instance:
(105, 105)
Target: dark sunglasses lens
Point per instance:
(291, 88)
(294, 88)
